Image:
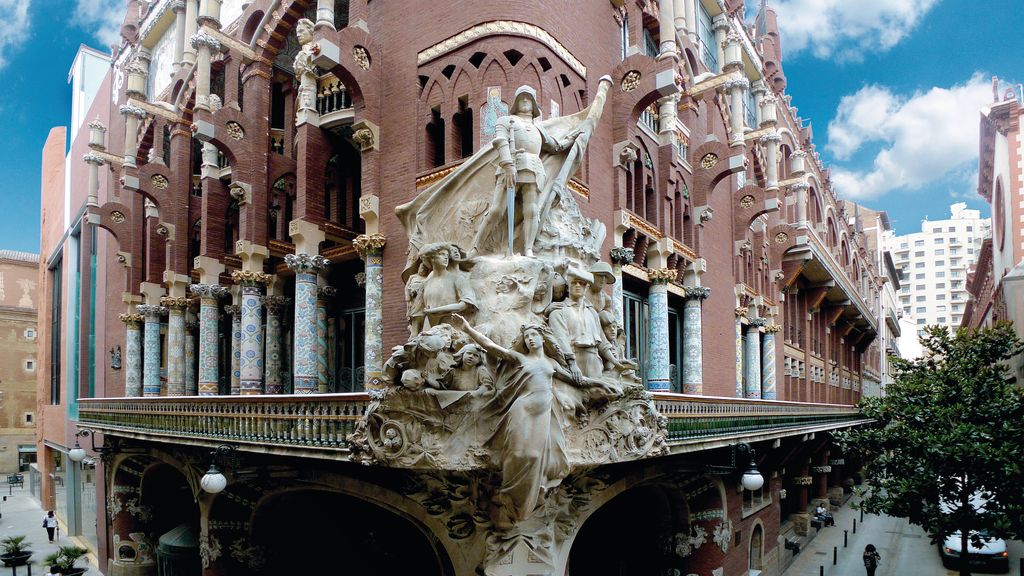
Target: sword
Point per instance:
(510, 206)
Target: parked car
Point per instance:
(992, 555)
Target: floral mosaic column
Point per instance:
(741, 313)
(250, 365)
(752, 351)
(175, 344)
(371, 249)
(274, 304)
(324, 294)
(236, 348)
(209, 341)
(658, 370)
(133, 355)
(693, 347)
(620, 257)
(304, 358)
(768, 362)
(151, 349)
(191, 387)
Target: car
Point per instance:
(992, 555)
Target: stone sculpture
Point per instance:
(304, 68)
(514, 371)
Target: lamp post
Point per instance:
(77, 454)
(751, 478)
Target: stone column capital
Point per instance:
(250, 278)
(758, 322)
(799, 186)
(773, 329)
(191, 325)
(132, 320)
(132, 110)
(175, 302)
(208, 290)
(151, 312)
(233, 309)
(327, 292)
(275, 304)
(370, 244)
(662, 275)
(201, 38)
(696, 293)
(741, 311)
(741, 83)
(306, 263)
(621, 255)
(771, 137)
(803, 480)
(94, 159)
(178, 6)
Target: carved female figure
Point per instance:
(530, 412)
(446, 289)
(471, 372)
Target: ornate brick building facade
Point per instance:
(245, 178)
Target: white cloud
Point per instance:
(923, 138)
(101, 18)
(844, 29)
(14, 15)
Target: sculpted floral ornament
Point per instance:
(132, 320)
(747, 201)
(663, 275)
(630, 81)
(117, 217)
(249, 277)
(235, 130)
(723, 534)
(803, 480)
(159, 182)
(708, 161)
(821, 469)
(621, 256)
(175, 302)
(363, 138)
(369, 243)
(361, 56)
(781, 238)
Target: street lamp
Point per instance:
(213, 481)
(751, 479)
(77, 454)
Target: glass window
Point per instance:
(919, 254)
(940, 285)
(634, 319)
(706, 39)
(939, 251)
(918, 242)
(904, 245)
(56, 280)
(941, 320)
(919, 265)
(940, 263)
(906, 309)
(921, 310)
(348, 358)
(920, 299)
(940, 274)
(970, 250)
(919, 287)
(650, 46)
(951, 229)
(921, 320)
(940, 240)
(970, 228)
(624, 35)
(940, 296)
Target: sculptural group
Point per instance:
(515, 363)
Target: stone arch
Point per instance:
(252, 511)
(745, 214)
(691, 510)
(755, 551)
(713, 162)
(627, 105)
(252, 25)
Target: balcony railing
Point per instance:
(322, 422)
(332, 95)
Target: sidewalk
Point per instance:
(905, 549)
(23, 516)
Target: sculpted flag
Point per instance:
(452, 209)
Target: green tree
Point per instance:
(949, 431)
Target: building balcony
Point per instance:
(316, 426)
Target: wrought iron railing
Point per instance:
(322, 422)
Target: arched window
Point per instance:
(435, 139)
(462, 128)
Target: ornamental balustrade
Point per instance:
(322, 422)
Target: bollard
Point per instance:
(854, 525)
(835, 555)
(845, 534)
(821, 570)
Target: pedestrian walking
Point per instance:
(50, 523)
(871, 559)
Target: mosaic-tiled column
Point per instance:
(275, 305)
(235, 386)
(741, 313)
(304, 345)
(175, 344)
(133, 355)
(752, 351)
(768, 362)
(658, 369)
(620, 257)
(209, 336)
(250, 365)
(324, 295)
(371, 249)
(151, 349)
(693, 347)
(191, 386)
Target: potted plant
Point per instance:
(16, 551)
(64, 559)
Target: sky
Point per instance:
(892, 89)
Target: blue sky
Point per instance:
(891, 87)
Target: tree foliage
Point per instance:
(949, 430)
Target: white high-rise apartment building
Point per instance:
(933, 265)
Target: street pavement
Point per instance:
(21, 515)
(905, 549)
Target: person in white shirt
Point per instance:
(50, 523)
